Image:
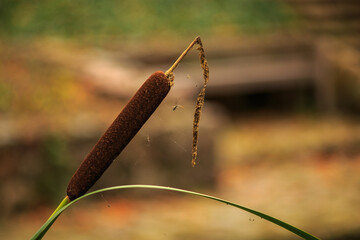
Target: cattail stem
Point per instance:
(171, 69)
(61, 205)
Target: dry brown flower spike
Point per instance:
(128, 123)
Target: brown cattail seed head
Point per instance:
(119, 134)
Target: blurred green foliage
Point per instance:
(136, 19)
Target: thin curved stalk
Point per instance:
(42, 231)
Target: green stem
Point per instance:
(61, 205)
(43, 230)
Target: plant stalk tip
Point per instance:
(171, 69)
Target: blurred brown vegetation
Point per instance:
(279, 133)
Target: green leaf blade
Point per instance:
(42, 231)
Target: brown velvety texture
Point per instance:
(119, 134)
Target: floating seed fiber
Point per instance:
(128, 123)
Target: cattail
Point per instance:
(128, 123)
(119, 134)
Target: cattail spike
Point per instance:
(119, 134)
(130, 120)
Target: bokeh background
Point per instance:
(280, 131)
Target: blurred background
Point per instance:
(279, 133)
